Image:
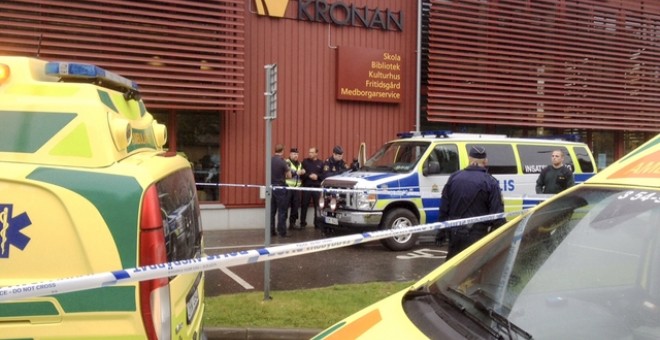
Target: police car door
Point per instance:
(441, 162)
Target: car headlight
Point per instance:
(366, 201)
(333, 203)
(321, 203)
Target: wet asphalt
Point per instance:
(367, 262)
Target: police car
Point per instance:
(401, 184)
(86, 188)
(584, 264)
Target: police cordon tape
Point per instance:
(231, 259)
(401, 191)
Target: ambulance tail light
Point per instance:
(4, 73)
(154, 294)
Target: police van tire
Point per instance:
(396, 219)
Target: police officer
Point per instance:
(555, 177)
(313, 167)
(293, 196)
(468, 193)
(280, 172)
(335, 164)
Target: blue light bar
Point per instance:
(434, 133)
(66, 70)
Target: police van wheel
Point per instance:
(397, 219)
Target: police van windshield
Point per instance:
(396, 157)
(594, 252)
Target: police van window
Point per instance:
(536, 157)
(181, 216)
(501, 159)
(583, 159)
(446, 156)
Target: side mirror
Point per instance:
(431, 168)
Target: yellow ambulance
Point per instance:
(85, 188)
(584, 264)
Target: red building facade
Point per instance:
(347, 73)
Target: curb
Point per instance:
(216, 333)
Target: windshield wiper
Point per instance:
(502, 321)
(458, 326)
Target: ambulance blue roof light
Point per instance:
(91, 73)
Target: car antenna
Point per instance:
(41, 35)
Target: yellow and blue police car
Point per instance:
(584, 264)
(86, 187)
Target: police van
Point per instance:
(401, 184)
(86, 187)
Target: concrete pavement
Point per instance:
(217, 333)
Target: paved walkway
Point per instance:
(217, 333)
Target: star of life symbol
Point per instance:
(10, 230)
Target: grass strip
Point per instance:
(309, 308)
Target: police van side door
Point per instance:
(442, 161)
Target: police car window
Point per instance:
(536, 157)
(501, 159)
(583, 159)
(447, 157)
(181, 216)
(399, 156)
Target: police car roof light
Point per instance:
(91, 73)
(430, 133)
(567, 137)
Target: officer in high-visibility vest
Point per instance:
(293, 196)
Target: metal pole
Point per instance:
(269, 117)
(418, 81)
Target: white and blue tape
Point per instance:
(210, 262)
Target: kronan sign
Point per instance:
(338, 13)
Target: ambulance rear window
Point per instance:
(181, 216)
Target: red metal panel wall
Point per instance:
(185, 54)
(565, 63)
(309, 114)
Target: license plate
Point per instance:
(191, 305)
(331, 220)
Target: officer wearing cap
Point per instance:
(335, 164)
(468, 193)
(295, 181)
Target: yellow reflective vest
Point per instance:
(295, 180)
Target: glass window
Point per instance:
(396, 157)
(198, 139)
(587, 262)
(536, 157)
(500, 158)
(582, 155)
(446, 155)
(181, 216)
